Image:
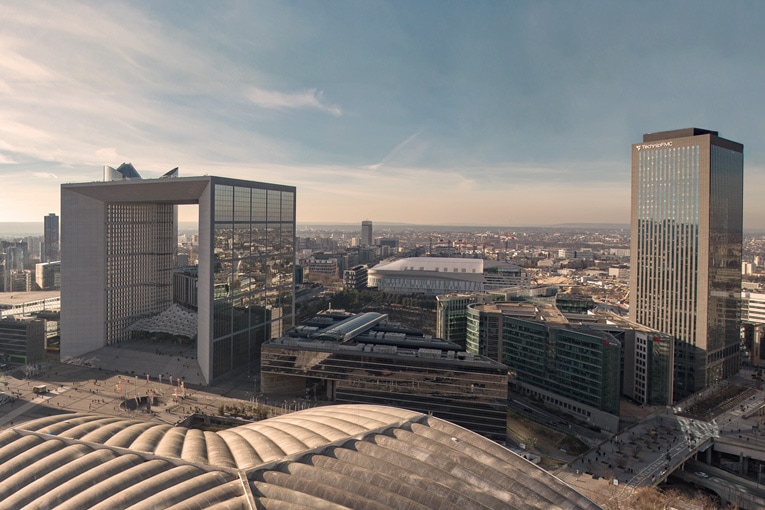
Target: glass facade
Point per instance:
(581, 366)
(364, 358)
(687, 204)
(253, 233)
(472, 394)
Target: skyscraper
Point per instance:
(366, 233)
(50, 231)
(686, 237)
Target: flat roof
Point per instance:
(19, 298)
(179, 190)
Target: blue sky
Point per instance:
(438, 112)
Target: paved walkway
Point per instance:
(81, 388)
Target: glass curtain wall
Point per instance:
(253, 271)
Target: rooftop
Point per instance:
(346, 456)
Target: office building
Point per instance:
(580, 364)
(576, 370)
(322, 266)
(48, 275)
(22, 340)
(452, 309)
(753, 307)
(19, 281)
(118, 249)
(753, 334)
(51, 238)
(366, 359)
(367, 238)
(686, 241)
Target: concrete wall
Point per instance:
(83, 274)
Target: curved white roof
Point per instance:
(333, 457)
(440, 264)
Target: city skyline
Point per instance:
(491, 114)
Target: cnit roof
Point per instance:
(331, 457)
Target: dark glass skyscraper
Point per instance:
(686, 237)
(50, 232)
(366, 233)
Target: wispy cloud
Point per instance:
(311, 99)
(45, 175)
(394, 152)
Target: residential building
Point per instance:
(686, 242)
(118, 249)
(619, 272)
(321, 265)
(355, 278)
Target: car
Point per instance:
(701, 474)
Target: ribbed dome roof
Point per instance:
(332, 457)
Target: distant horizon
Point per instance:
(23, 228)
(474, 113)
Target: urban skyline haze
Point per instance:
(516, 113)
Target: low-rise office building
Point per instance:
(364, 358)
(22, 340)
(581, 364)
(452, 309)
(48, 275)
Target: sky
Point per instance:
(506, 113)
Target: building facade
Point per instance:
(445, 275)
(367, 238)
(355, 278)
(22, 340)
(580, 364)
(364, 358)
(48, 275)
(51, 236)
(119, 242)
(686, 242)
(451, 315)
(753, 307)
(571, 367)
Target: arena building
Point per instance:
(444, 275)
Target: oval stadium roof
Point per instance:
(332, 457)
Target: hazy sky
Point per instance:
(439, 112)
